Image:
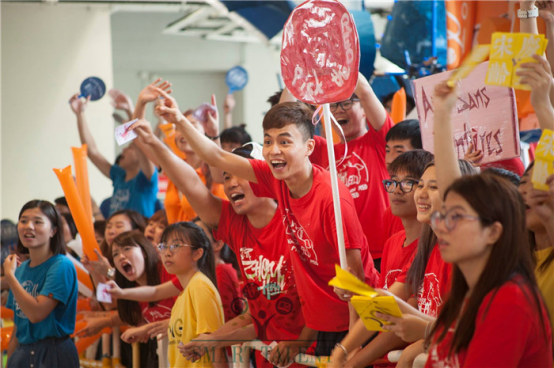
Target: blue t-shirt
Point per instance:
(57, 279)
(137, 194)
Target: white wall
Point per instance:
(47, 50)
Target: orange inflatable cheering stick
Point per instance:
(81, 174)
(84, 225)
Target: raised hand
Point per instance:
(229, 103)
(211, 125)
(121, 101)
(144, 131)
(445, 97)
(78, 105)
(474, 156)
(539, 77)
(168, 108)
(151, 92)
(10, 264)
(546, 10)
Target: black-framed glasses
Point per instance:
(450, 219)
(346, 105)
(173, 248)
(406, 185)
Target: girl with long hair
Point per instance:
(43, 292)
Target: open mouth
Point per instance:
(278, 164)
(29, 236)
(423, 207)
(127, 268)
(342, 121)
(237, 198)
(149, 237)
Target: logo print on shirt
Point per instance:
(31, 289)
(429, 302)
(353, 171)
(299, 239)
(391, 278)
(265, 271)
(120, 199)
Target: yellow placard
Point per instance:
(478, 54)
(346, 281)
(544, 160)
(366, 307)
(507, 52)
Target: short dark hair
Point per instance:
(275, 98)
(512, 177)
(70, 224)
(61, 201)
(57, 242)
(235, 134)
(406, 129)
(413, 162)
(287, 113)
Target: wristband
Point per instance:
(111, 273)
(339, 345)
(525, 14)
(213, 138)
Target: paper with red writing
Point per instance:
(544, 160)
(484, 115)
(320, 53)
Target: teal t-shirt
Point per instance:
(137, 194)
(57, 279)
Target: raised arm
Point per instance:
(228, 107)
(546, 12)
(149, 94)
(146, 166)
(204, 147)
(527, 25)
(185, 178)
(144, 293)
(78, 106)
(446, 159)
(539, 77)
(121, 101)
(373, 108)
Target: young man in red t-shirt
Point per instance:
(253, 229)
(306, 205)
(399, 249)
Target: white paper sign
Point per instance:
(123, 134)
(102, 294)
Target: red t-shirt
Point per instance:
(229, 289)
(363, 171)
(162, 309)
(436, 283)
(311, 233)
(391, 224)
(395, 258)
(266, 268)
(514, 165)
(508, 333)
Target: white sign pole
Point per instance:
(334, 185)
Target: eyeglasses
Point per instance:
(406, 185)
(173, 248)
(450, 219)
(346, 105)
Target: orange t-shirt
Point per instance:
(178, 208)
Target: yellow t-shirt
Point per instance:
(197, 310)
(545, 279)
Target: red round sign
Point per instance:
(320, 54)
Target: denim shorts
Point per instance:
(52, 352)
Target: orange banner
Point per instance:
(84, 226)
(81, 176)
(460, 23)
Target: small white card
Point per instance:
(123, 134)
(102, 294)
(265, 353)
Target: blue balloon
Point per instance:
(93, 87)
(236, 78)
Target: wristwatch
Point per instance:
(524, 14)
(111, 273)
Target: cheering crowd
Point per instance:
(246, 243)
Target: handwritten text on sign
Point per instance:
(484, 115)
